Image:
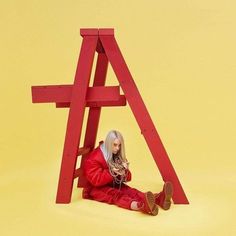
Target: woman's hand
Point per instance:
(126, 165)
(119, 172)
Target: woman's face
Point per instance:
(116, 146)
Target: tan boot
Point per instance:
(163, 199)
(149, 206)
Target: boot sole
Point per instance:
(168, 190)
(150, 199)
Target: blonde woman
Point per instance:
(107, 171)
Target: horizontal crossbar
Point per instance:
(95, 31)
(120, 102)
(81, 151)
(62, 94)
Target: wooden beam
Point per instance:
(108, 103)
(142, 117)
(75, 118)
(62, 94)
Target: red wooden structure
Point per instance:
(79, 96)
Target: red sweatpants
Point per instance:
(121, 197)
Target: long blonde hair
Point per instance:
(110, 138)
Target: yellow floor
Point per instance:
(28, 208)
(182, 57)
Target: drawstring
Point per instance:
(117, 179)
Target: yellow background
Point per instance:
(182, 57)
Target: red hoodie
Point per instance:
(96, 169)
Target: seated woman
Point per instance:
(107, 171)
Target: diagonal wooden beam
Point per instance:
(94, 112)
(142, 116)
(75, 118)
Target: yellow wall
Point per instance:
(182, 57)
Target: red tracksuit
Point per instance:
(101, 186)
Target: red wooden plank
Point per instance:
(94, 113)
(89, 31)
(51, 93)
(105, 103)
(101, 93)
(75, 119)
(106, 31)
(142, 117)
(62, 94)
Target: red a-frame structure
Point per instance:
(79, 96)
